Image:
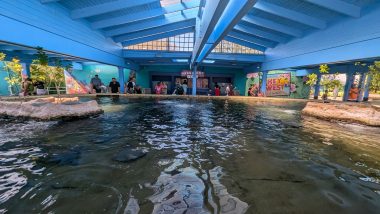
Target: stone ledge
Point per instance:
(50, 108)
(348, 112)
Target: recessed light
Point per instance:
(180, 60)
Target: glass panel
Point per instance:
(185, 43)
(229, 47)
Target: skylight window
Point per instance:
(183, 43)
(230, 47)
(171, 2)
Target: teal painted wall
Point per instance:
(105, 72)
(302, 90)
(239, 76)
(3, 84)
(142, 78)
(84, 76)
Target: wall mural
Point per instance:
(278, 84)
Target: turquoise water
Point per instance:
(202, 156)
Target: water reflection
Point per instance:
(210, 156)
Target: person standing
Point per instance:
(184, 86)
(130, 86)
(96, 84)
(114, 86)
(27, 87)
(228, 90)
(158, 88)
(217, 89)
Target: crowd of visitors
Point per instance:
(97, 86)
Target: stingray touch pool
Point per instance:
(163, 155)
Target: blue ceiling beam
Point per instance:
(9, 48)
(152, 23)
(144, 14)
(207, 24)
(107, 8)
(272, 25)
(237, 57)
(220, 18)
(156, 30)
(251, 39)
(339, 6)
(55, 43)
(158, 36)
(48, 1)
(260, 33)
(245, 43)
(290, 14)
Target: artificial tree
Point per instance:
(14, 70)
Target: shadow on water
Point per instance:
(202, 156)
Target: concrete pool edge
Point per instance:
(10, 98)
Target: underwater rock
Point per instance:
(70, 157)
(228, 204)
(181, 193)
(292, 125)
(348, 112)
(128, 155)
(50, 108)
(132, 206)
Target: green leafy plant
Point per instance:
(40, 67)
(53, 75)
(14, 70)
(313, 77)
(374, 72)
(324, 69)
(57, 75)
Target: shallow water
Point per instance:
(203, 156)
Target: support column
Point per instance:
(121, 79)
(347, 87)
(26, 69)
(361, 86)
(366, 88)
(317, 86)
(264, 78)
(194, 91)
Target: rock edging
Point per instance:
(348, 112)
(50, 108)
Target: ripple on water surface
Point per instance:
(210, 156)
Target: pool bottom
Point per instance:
(209, 156)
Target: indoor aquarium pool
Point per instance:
(161, 155)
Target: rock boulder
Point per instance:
(341, 111)
(50, 108)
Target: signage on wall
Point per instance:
(189, 74)
(252, 75)
(278, 84)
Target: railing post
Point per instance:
(264, 78)
(194, 91)
(366, 88)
